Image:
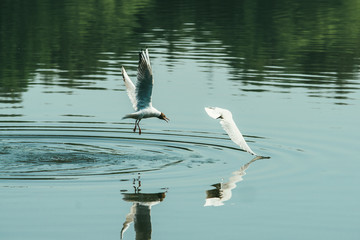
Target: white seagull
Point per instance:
(229, 126)
(140, 96)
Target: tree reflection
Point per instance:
(303, 37)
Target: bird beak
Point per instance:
(163, 117)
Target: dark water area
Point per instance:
(70, 167)
(313, 38)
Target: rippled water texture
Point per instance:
(111, 151)
(71, 168)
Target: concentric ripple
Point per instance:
(75, 150)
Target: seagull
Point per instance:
(140, 96)
(229, 126)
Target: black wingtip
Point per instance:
(143, 50)
(141, 56)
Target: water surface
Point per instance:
(71, 168)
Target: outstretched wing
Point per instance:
(144, 82)
(129, 219)
(130, 88)
(229, 126)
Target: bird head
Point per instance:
(163, 117)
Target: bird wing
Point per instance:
(130, 88)
(145, 81)
(129, 219)
(229, 126)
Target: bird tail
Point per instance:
(131, 115)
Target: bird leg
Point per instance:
(137, 121)
(139, 126)
(135, 125)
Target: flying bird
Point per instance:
(229, 126)
(140, 96)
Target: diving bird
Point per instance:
(140, 96)
(229, 126)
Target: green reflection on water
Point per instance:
(304, 37)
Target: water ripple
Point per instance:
(52, 152)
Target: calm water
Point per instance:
(70, 168)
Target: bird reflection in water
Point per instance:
(222, 191)
(140, 210)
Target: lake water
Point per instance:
(71, 168)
